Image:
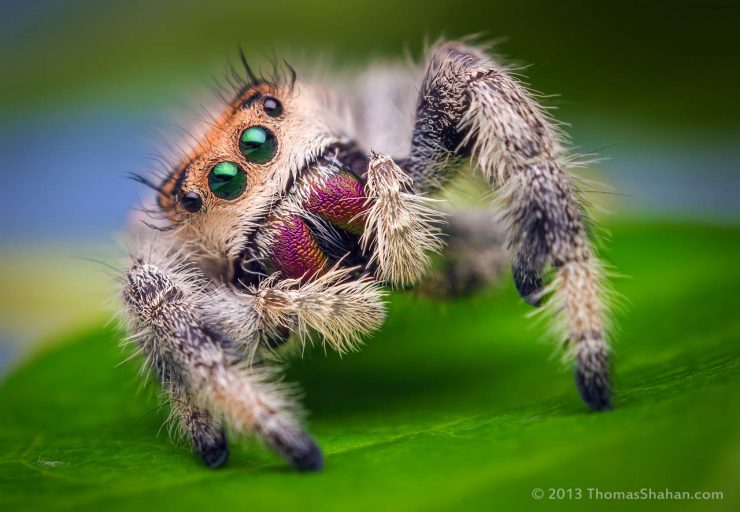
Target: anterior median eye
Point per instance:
(258, 144)
(227, 180)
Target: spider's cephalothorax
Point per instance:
(285, 220)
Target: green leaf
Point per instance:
(452, 406)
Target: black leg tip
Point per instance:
(528, 283)
(299, 449)
(215, 455)
(595, 390)
(308, 457)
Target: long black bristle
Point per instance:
(144, 181)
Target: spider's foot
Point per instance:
(593, 384)
(215, 454)
(310, 459)
(300, 450)
(597, 395)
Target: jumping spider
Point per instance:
(282, 221)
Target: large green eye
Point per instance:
(258, 144)
(227, 180)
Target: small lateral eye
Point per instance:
(192, 202)
(227, 180)
(258, 144)
(272, 107)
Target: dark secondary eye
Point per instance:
(192, 202)
(258, 144)
(272, 107)
(227, 180)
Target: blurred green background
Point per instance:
(88, 90)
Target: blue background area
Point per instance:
(66, 172)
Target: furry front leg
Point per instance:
(401, 227)
(546, 228)
(340, 308)
(204, 431)
(520, 154)
(470, 106)
(163, 306)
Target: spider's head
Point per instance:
(244, 164)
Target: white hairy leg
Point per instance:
(470, 107)
(201, 369)
(401, 228)
(339, 308)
